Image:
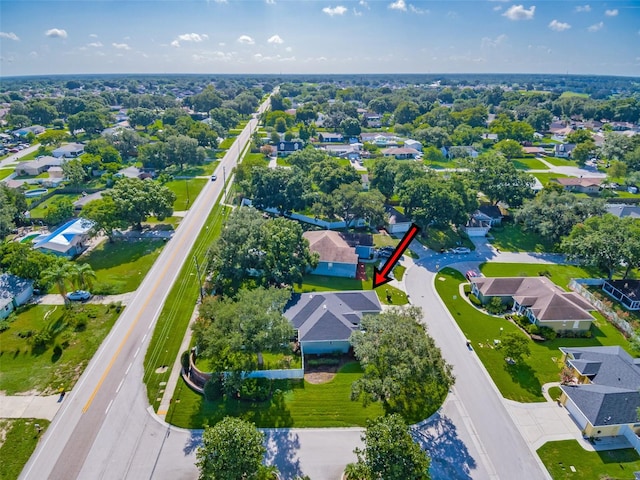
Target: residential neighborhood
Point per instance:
(219, 238)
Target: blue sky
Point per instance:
(308, 36)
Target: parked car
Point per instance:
(471, 274)
(460, 250)
(79, 296)
(213, 178)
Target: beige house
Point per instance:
(582, 184)
(539, 299)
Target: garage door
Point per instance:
(578, 417)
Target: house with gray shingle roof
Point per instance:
(605, 395)
(337, 257)
(14, 291)
(539, 299)
(324, 321)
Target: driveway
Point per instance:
(56, 299)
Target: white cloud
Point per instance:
(246, 39)
(596, 26)
(275, 39)
(56, 33)
(95, 44)
(363, 3)
(611, 13)
(175, 43)
(417, 10)
(557, 26)
(583, 8)
(493, 42)
(121, 46)
(270, 2)
(398, 5)
(497, 8)
(93, 35)
(338, 10)
(288, 49)
(193, 37)
(220, 1)
(518, 12)
(356, 13)
(33, 54)
(9, 35)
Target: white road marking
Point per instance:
(108, 407)
(119, 386)
(128, 368)
(144, 338)
(137, 352)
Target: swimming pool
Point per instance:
(35, 193)
(29, 237)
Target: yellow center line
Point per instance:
(135, 322)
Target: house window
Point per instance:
(576, 324)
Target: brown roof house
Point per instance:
(603, 398)
(582, 184)
(539, 299)
(337, 258)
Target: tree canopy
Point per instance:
(403, 367)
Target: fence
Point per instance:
(630, 435)
(577, 285)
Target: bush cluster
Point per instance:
(255, 389)
(475, 300)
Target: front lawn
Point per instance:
(294, 404)
(73, 335)
(18, 439)
(558, 274)
(121, 266)
(529, 164)
(510, 237)
(547, 177)
(186, 191)
(438, 238)
(41, 210)
(522, 383)
(561, 162)
(5, 172)
(558, 457)
(323, 283)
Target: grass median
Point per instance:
(18, 440)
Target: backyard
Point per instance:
(121, 266)
(41, 210)
(293, 404)
(558, 457)
(46, 347)
(522, 382)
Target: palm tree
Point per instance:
(58, 274)
(82, 275)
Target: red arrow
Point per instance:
(380, 277)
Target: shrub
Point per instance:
(467, 288)
(473, 299)
(214, 388)
(496, 306)
(315, 362)
(548, 333)
(184, 360)
(41, 338)
(4, 325)
(255, 389)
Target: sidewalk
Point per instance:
(29, 406)
(56, 299)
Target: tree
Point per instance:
(615, 146)
(350, 127)
(53, 137)
(403, 368)
(74, 173)
(82, 275)
(21, 260)
(8, 213)
(58, 273)
(370, 207)
(90, 122)
(499, 180)
(40, 112)
(142, 117)
(135, 200)
(205, 101)
(390, 453)
(232, 449)
(540, 120)
(383, 173)
(59, 211)
(104, 212)
(509, 148)
(579, 136)
(279, 188)
(249, 325)
(515, 346)
(406, 112)
(617, 169)
(328, 174)
(605, 242)
(584, 151)
(182, 150)
(553, 214)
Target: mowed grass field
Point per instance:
(294, 404)
(121, 266)
(18, 439)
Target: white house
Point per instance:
(67, 241)
(413, 144)
(14, 291)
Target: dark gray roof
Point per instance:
(631, 288)
(330, 316)
(492, 211)
(613, 395)
(12, 285)
(621, 210)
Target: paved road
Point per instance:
(103, 429)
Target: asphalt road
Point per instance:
(502, 450)
(103, 429)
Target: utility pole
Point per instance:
(199, 278)
(224, 177)
(186, 182)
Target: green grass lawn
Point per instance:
(322, 283)
(529, 164)
(546, 177)
(436, 239)
(522, 383)
(174, 318)
(610, 464)
(174, 221)
(121, 266)
(282, 162)
(43, 370)
(384, 240)
(558, 274)
(555, 392)
(569, 94)
(41, 210)
(227, 142)
(272, 361)
(186, 191)
(300, 404)
(33, 155)
(199, 170)
(20, 438)
(560, 162)
(5, 172)
(510, 237)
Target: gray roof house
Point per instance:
(38, 166)
(604, 397)
(325, 321)
(14, 291)
(539, 299)
(70, 150)
(622, 210)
